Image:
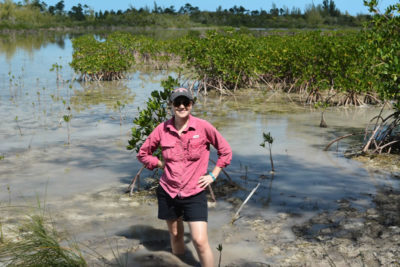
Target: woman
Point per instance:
(185, 141)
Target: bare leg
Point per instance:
(176, 233)
(200, 241)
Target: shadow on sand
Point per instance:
(157, 240)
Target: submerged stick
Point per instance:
(236, 216)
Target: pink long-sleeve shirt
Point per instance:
(186, 156)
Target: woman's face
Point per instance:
(182, 107)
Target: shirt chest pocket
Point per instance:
(196, 148)
(168, 150)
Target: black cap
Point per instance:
(180, 92)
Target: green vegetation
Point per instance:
(222, 59)
(156, 111)
(330, 66)
(96, 60)
(38, 244)
(219, 248)
(383, 50)
(37, 14)
(67, 118)
(57, 68)
(119, 107)
(19, 128)
(267, 138)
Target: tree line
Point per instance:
(37, 14)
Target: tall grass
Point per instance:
(39, 244)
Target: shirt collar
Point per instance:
(191, 125)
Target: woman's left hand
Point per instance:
(205, 180)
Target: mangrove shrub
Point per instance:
(102, 60)
(154, 113)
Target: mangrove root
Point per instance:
(385, 135)
(323, 124)
(314, 96)
(338, 139)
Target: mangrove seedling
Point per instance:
(38, 95)
(9, 194)
(269, 139)
(19, 128)
(119, 106)
(1, 233)
(323, 106)
(67, 119)
(219, 248)
(57, 68)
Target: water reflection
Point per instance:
(113, 95)
(29, 42)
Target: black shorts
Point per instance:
(193, 208)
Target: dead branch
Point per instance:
(137, 177)
(212, 193)
(237, 214)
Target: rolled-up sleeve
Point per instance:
(224, 151)
(145, 154)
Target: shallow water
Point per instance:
(83, 181)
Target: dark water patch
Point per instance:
(297, 184)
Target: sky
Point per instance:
(353, 7)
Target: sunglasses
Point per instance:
(181, 101)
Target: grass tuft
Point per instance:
(38, 244)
